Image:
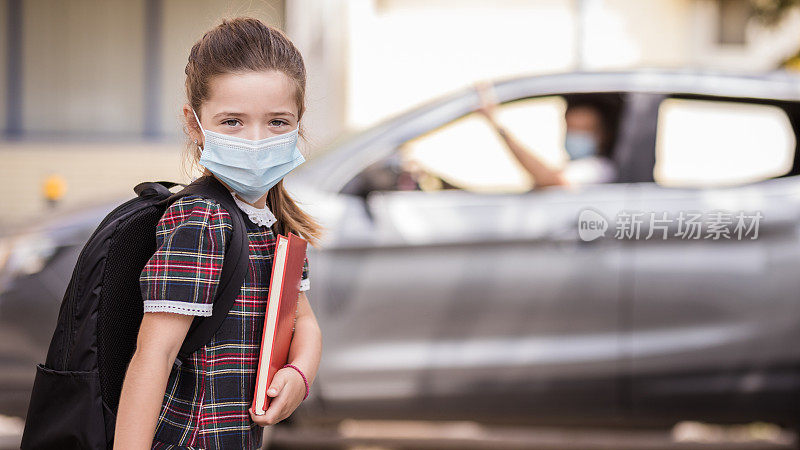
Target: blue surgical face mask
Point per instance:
(250, 167)
(580, 144)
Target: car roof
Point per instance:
(775, 85)
(340, 158)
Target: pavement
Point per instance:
(380, 435)
(10, 431)
(465, 435)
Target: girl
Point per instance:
(245, 84)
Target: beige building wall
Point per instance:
(319, 29)
(83, 60)
(184, 22)
(764, 48)
(83, 97)
(405, 52)
(3, 46)
(82, 66)
(94, 173)
(621, 34)
(84, 74)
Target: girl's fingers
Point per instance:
(278, 382)
(279, 408)
(261, 420)
(274, 414)
(276, 411)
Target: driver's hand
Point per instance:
(488, 101)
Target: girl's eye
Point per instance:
(230, 120)
(278, 122)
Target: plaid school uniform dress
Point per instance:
(208, 394)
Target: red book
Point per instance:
(284, 289)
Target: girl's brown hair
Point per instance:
(247, 44)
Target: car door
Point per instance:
(510, 313)
(713, 312)
(475, 302)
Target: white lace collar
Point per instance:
(259, 216)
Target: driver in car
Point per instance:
(587, 142)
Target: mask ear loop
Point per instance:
(201, 128)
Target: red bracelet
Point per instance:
(301, 374)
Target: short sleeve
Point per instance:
(183, 273)
(304, 283)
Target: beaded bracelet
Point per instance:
(301, 374)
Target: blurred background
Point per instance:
(671, 344)
(90, 92)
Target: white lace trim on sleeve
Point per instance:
(192, 309)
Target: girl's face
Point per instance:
(250, 105)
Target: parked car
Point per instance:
(469, 295)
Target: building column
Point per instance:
(317, 28)
(13, 127)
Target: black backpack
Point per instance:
(76, 391)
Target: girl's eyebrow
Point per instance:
(228, 113)
(281, 113)
(240, 114)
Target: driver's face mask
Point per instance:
(580, 144)
(250, 167)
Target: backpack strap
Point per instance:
(234, 266)
(148, 188)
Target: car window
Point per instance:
(468, 154)
(704, 143)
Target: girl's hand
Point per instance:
(287, 391)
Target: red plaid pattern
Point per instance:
(208, 394)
